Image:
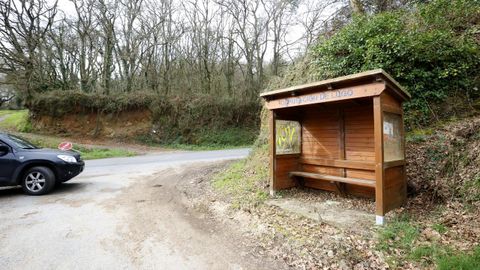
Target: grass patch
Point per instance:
(398, 234)
(15, 120)
(194, 147)
(244, 181)
(462, 261)
(428, 254)
(87, 153)
(214, 139)
(227, 137)
(419, 135)
(439, 228)
(398, 239)
(98, 153)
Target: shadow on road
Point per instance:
(69, 188)
(58, 190)
(11, 191)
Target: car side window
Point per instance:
(4, 144)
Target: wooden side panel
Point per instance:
(320, 131)
(361, 174)
(284, 165)
(360, 191)
(391, 104)
(359, 136)
(395, 188)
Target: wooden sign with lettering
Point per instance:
(368, 90)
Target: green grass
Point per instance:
(15, 120)
(98, 153)
(194, 147)
(461, 261)
(86, 152)
(399, 240)
(244, 181)
(400, 233)
(207, 139)
(439, 228)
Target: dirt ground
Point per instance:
(302, 229)
(164, 208)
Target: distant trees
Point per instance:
(6, 95)
(24, 28)
(229, 48)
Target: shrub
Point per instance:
(203, 120)
(433, 51)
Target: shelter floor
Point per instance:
(345, 212)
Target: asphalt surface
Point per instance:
(109, 217)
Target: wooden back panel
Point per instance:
(359, 139)
(340, 132)
(320, 133)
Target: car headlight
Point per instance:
(68, 159)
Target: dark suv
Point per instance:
(37, 170)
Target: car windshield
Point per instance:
(21, 143)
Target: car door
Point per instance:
(8, 163)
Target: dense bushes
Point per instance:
(198, 119)
(433, 51)
(59, 103)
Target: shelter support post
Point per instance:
(272, 150)
(379, 172)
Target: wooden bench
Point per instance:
(346, 180)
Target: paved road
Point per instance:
(148, 163)
(111, 217)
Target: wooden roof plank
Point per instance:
(349, 78)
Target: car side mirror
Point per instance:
(4, 150)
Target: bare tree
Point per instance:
(169, 47)
(6, 94)
(106, 16)
(85, 27)
(23, 27)
(280, 13)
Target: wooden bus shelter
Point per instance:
(344, 134)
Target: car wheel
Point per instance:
(38, 181)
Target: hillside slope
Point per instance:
(438, 61)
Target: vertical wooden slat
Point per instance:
(341, 144)
(341, 119)
(379, 172)
(272, 142)
(404, 169)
